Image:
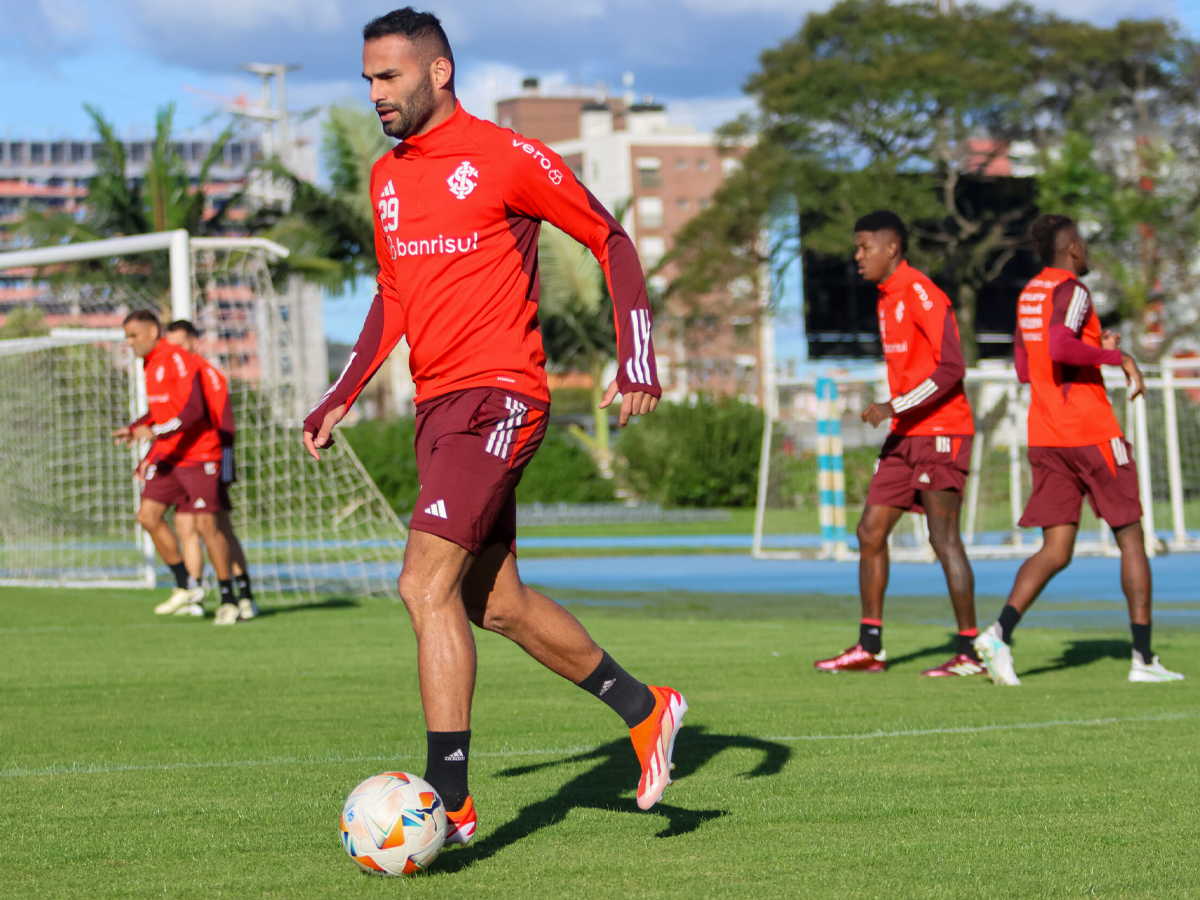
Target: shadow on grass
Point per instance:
(1083, 652)
(949, 647)
(601, 787)
(339, 603)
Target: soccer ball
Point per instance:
(393, 824)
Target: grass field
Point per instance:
(148, 757)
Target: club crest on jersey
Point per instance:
(461, 183)
(900, 311)
(210, 468)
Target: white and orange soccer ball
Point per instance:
(393, 824)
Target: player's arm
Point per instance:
(1072, 307)
(381, 332)
(185, 405)
(124, 434)
(1020, 356)
(555, 195)
(940, 328)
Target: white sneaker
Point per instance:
(1152, 671)
(227, 614)
(996, 656)
(192, 609)
(247, 610)
(180, 597)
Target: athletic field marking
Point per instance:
(106, 768)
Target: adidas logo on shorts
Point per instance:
(456, 756)
(200, 504)
(924, 479)
(437, 509)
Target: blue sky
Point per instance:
(130, 56)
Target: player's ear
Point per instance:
(442, 72)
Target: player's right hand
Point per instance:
(1133, 376)
(323, 438)
(122, 436)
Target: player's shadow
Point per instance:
(941, 650)
(1085, 651)
(336, 603)
(602, 786)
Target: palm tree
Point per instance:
(575, 313)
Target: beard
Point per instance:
(412, 113)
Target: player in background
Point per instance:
(1076, 447)
(183, 333)
(459, 204)
(924, 461)
(186, 455)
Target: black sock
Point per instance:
(628, 697)
(226, 588)
(1009, 617)
(1141, 642)
(870, 635)
(446, 766)
(179, 570)
(243, 586)
(966, 643)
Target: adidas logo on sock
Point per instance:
(604, 687)
(457, 756)
(437, 509)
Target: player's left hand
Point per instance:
(876, 413)
(1109, 340)
(635, 403)
(142, 433)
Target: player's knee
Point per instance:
(206, 526)
(148, 518)
(870, 537)
(418, 594)
(946, 544)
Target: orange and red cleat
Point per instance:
(654, 741)
(855, 659)
(960, 665)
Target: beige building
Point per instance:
(632, 158)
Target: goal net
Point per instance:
(67, 495)
(818, 458)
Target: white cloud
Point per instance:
(233, 16)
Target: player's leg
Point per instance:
(431, 588)
(499, 601)
(151, 516)
(1137, 585)
(218, 554)
(942, 510)
(247, 608)
(189, 544)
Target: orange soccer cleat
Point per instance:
(654, 742)
(460, 826)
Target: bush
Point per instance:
(702, 455)
(561, 470)
(794, 478)
(385, 449)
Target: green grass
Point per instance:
(148, 757)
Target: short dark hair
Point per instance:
(418, 27)
(885, 220)
(1044, 234)
(185, 326)
(143, 315)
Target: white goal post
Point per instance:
(67, 495)
(818, 457)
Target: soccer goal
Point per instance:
(818, 458)
(67, 495)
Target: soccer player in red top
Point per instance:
(183, 333)
(459, 204)
(924, 461)
(1076, 447)
(185, 455)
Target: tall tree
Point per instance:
(873, 104)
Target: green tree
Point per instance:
(24, 321)
(873, 104)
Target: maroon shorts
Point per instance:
(909, 465)
(190, 488)
(472, 447)
(1062, 476)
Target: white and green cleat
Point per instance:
(1153, 671)
(180, 599)
(996, 656)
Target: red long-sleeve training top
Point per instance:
(458, 212)
(183, 431)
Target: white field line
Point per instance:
(105, 768)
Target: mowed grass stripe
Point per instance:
(106, 768)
